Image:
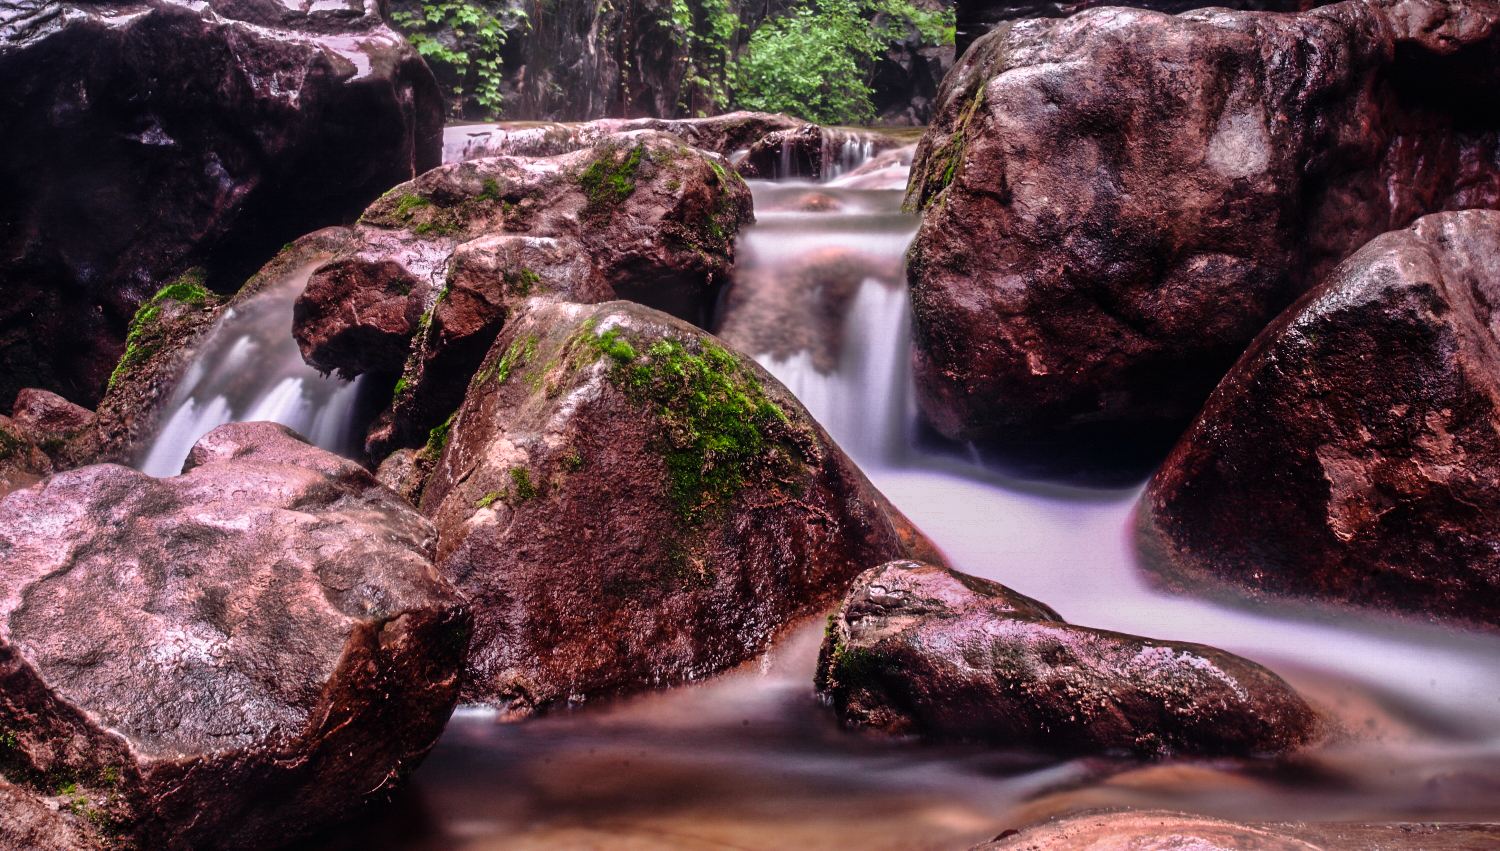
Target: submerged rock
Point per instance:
(428, 277)
(1162, 830)
(920, 649)
(627, 504)
(150, 136)
(1353, 454)
(1114, 204)
(244, 651)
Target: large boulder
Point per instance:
(1163, 830)
(239, 653)
(1353, 454)
(628, 504)
(921, 649)
(427, 278)
(974, 18)
(1114, 204)
(149, 136)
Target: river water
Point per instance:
(751, 760)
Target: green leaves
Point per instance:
(816, 60)
(462, 41)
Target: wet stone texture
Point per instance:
(627, 504)
(1115, 203)
(1353, 454)
(160, 135)
(923, 650)
(1161, 830)
(429, 276)
(248, 650)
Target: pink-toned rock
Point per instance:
(1115, 204)
(431, 272)
(247, 650)
(925, 650)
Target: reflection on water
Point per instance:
(750, 760)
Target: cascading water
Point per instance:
(249, 368)
(750, 760)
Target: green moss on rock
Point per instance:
(610, 178)
(719, 429)
(145, 337)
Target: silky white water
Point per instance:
(248, 368)
(751, 759)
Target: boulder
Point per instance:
(48, 418)
(22, 461)
(150, 136)
(35, 823)
(628, 504)
(1115, 203)
(1353, 453)
(974, 18)
(721, 134)
(429, 275)
(247, 650)
(1163, 830)
(918, 649)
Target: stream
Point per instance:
(750, 759)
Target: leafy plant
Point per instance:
(706, 29)
(816, 61)
(462, 42)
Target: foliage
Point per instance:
(817, 60)
(706, 30)
(462, 41)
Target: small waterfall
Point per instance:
(248, 368)
(855, 150)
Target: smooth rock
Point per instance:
(243, 652)
(918, 649)
(1116, 203)
(630, 505)
(1353, 453)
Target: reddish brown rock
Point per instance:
(22, 462)
(722, 134)
(977, 17)
(248, 650)
(48, 417)
(1114, 204)
(1353, 454)
(150, 136)
(919, 649)
(31, 822)
(627, 505)
(430, 274)
(1161, 830)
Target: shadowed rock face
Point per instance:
(627, 504)
(428, 277)
(1114, 204)
(148, 137)
(1353, 454)
(919, 649)
(244, 651)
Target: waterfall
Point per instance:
(248, 368)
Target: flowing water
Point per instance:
(249, 368)
(751, 760)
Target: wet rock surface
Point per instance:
(1160, 830)
(247, 650)
(1352, 454)
(925, 650)
(1114, 204)
(627, 504)
(429, 276)
(161, 135)
(977, 17)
